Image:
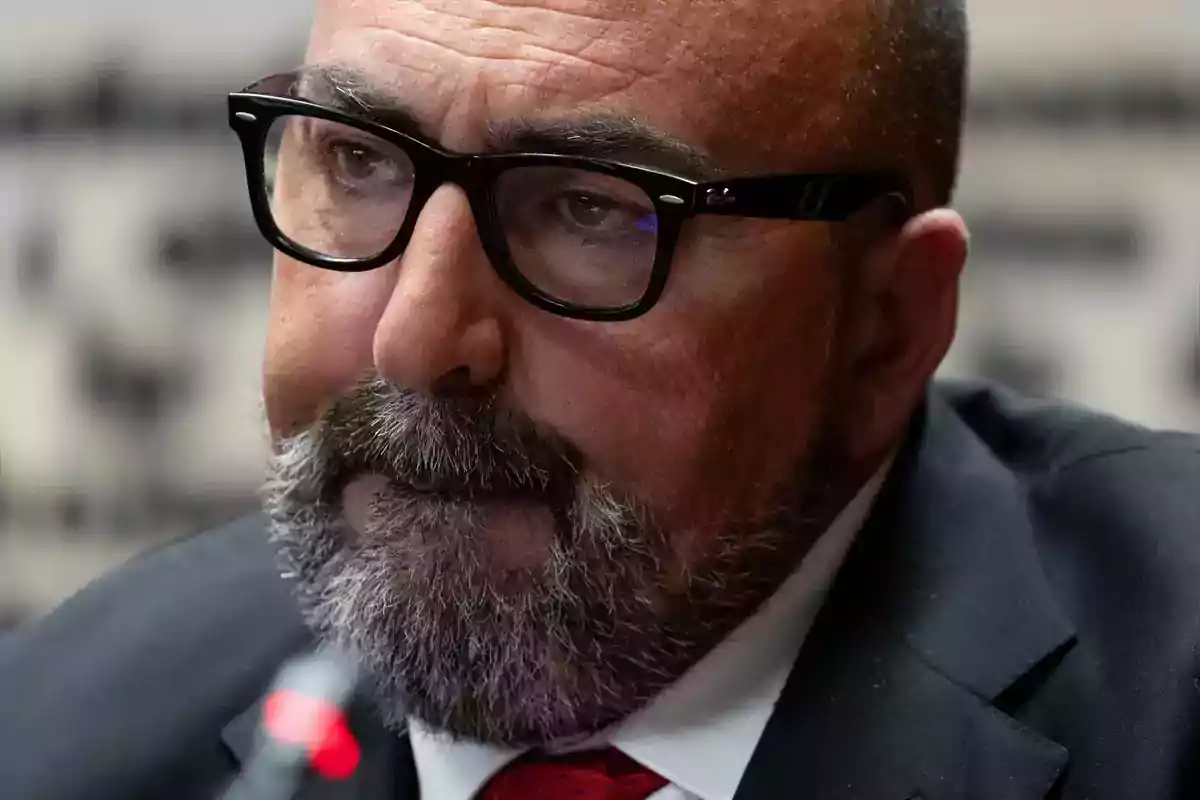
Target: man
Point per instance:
(598, 375)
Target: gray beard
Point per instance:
(519, 658)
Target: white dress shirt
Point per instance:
(700, 732)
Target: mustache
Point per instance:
(444, 444)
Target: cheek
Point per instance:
(639, 436)
(770, 344)
(319, 334)
(698, 416)
(765, 406)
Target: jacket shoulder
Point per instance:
(1096, 484)
(1049, 435)
(149, 661)
(1115, 514)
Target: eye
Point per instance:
(587, 210)
(595, 213)
(359, 166)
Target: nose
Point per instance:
(440, 330)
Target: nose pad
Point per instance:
(440, 328)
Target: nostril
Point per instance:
(456, 383)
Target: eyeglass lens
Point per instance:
(579, 236)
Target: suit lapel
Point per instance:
(385, 772)
(866, 718)
(940, 607)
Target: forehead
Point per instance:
(746, 80)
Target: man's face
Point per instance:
(527, 524)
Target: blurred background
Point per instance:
(132, 281)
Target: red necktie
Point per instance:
(593, 775)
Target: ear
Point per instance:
(901, 322)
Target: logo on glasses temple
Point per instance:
(719, 197)
(812, 200)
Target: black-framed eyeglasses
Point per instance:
(580, 237)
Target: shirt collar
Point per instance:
(700, 732)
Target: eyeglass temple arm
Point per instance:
(799, 197)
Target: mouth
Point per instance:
(520, 526)
(451, 487)
(366, 484)
(549, 480)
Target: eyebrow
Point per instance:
(610, 137)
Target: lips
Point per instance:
(358, 495)
(520, 523)
(361, 487)
(445, 485)
(475, 474)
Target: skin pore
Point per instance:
(528, 525)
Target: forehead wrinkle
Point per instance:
(559, 8)
(514, 34)
(511, 18)
(522, 54)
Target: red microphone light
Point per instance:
(317, 725)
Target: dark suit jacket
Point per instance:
(1020, 618)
